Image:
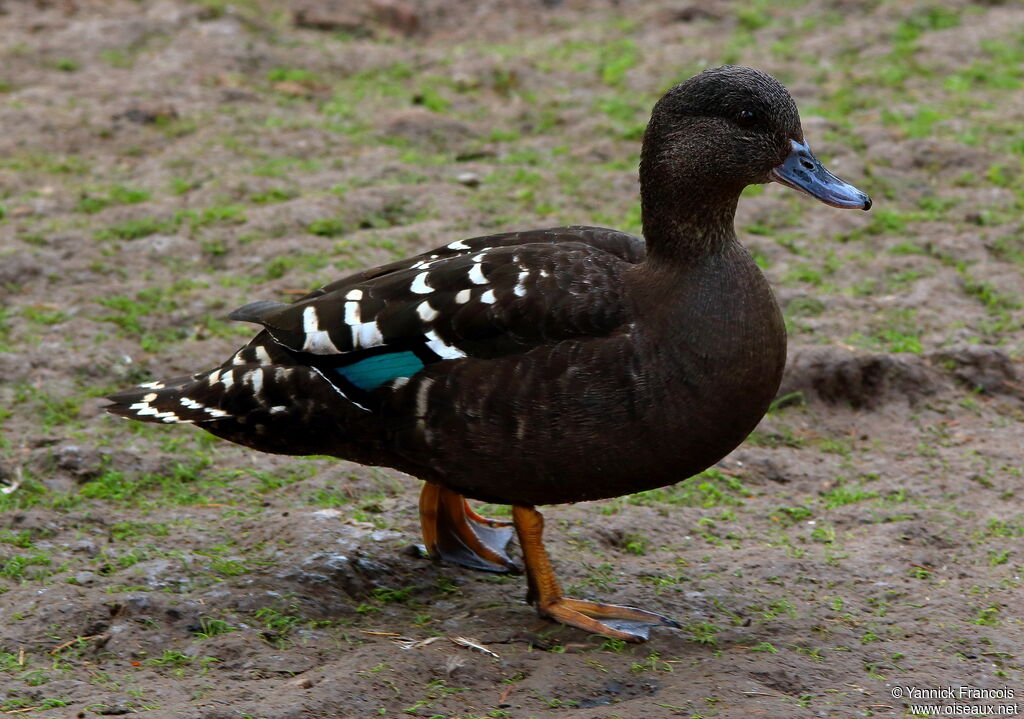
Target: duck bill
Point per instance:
(802, 171)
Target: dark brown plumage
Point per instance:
(544, 366)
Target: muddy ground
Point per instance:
(162, 163)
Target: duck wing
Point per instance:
(626, 247)
(482, 298)
(367, 334)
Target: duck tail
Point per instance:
(279, 408)
(167, 401)
(246, 393)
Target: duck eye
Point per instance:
(747, 118)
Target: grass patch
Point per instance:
(273, 195)
(52, 411)
(91, 203)
(892, 331)
(186, 482)
(135, 229)
(710, 488)
(843, 495)
(25, 567)
(145, 316)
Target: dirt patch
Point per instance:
(164, 163)
(842, 375)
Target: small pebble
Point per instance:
(469, 179)
(84, 579)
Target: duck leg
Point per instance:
(455, 533)
(486, 521)
(544, 592)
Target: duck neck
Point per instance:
(684, 221)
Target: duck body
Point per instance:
(602, 376)
(662, 395)
(544, 366)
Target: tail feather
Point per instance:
(256, 311)
(287, 409)
(246, 392)
(164, 401)
(260, 376)
(263, 398)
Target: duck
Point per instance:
(542, 366)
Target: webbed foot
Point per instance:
(455, 533)
(611, 620)
(545, 593)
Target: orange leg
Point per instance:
(545, 593)
(454, 533)
(429, 510)
(473, 516)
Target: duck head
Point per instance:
(716, 133)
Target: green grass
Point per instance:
(792, 515)
(1004, 528)
(214, 215)
(283, 264)
(5, 327)
(66, 64)
(328, 227)
(843, 495)
(627, 116)
(615, 59)
(702, 633)
(891, 331)
(44, 315)
(708, 489)
(284, 166)
(22, 539)
(293, 74)
(96, 201)
(135, 229)
(45, 163)
(189, 481)
(210, 627)
(273, 195)
(754, 15)
(143, 317)
(21, 567)
(51, 410)
(127, 530)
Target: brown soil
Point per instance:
(162, 163)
